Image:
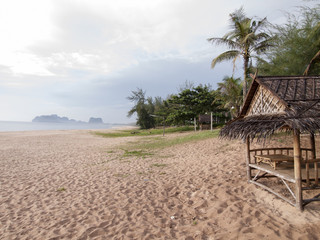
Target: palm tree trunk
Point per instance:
(306, 72)
(245, 82)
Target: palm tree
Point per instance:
(243, 40)
(230, 91)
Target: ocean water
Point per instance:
(6, 126)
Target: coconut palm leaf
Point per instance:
(313, 61)
(225, 56)
(224, 41)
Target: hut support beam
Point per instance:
(256, 176)
(248, 159)
(313, 156)
(270, 190)
(289, 189)
(315, 198)
(297, 168)
(282, 178)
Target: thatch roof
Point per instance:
(205, 118)
(274, 103)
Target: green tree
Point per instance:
(189, 103)
(246, 40)
(182, 111)
(316, 58)
(144, 109)
(230, 92)
(161, 111)
(296, 50)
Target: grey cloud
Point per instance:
(158, 78)
(99, 55)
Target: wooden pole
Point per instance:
(248, 159)
(313, 156)
(195, 123)
(297, 168)
(164, 126)
(211, 122)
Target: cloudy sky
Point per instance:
(82, 58)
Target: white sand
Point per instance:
(74, 185)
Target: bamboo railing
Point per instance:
(308, 161)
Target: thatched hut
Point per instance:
(205, 121)
(281, 104)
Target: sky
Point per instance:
(82, 58)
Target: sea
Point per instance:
(9, 126)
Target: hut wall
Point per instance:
(264, 102)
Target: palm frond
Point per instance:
(263, 46)
(248, 38)
(242, 29)
(259, 59)
(131, 112)
(313, 60)
(237, 16)
(234, 62)
(225, 41)
(261, 24)
(225, 56)
(263, 36)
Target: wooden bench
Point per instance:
(273, 159)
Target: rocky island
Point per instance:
(54, 118)
(95, 120)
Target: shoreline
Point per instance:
(73, 184)
(12, 126)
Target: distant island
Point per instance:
(54, 118)
(95, 120)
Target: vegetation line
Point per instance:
(144, 132)
(161, 143)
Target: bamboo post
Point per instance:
(307, 171)
(297, 168)
(313, 156)
(211, 122)
(164, 126)
(248, 158)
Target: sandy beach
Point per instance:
(76, 185)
